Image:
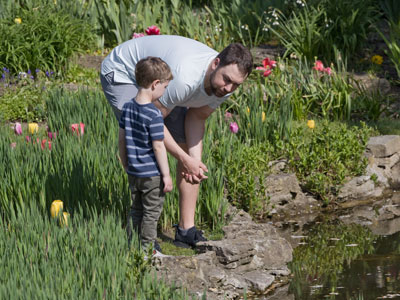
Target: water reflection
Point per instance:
(338, 261)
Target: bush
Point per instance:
(42, 39)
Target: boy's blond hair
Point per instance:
(152, 68)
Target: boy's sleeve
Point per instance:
(157, 128)
(121, 121)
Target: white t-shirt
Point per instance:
(187, 58)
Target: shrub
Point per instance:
(42, 39)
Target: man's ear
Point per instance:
(215, 63)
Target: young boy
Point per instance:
(142, 150)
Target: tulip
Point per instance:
(377, 59)
(328, 71)
(263, 116)
(269, 63)
(33, 128)
(137, 35)
(52, 135)
(75, 128)
(49, 142)
(13, 145)
(267, 73)
(152, 30)
(311, 124)
(18, 128)
(233, 127)
(55, 208)
(64, 219)
(18, 20)
(28, 138)
(319, 66)
(228, 116)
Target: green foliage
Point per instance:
(45, 39)
(84, 76)
(324, 157)
(24, 104)
(393, 44)
(88, 259)
(328, 249)
(246, 170)
(324, 26)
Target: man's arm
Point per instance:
(194, 129)
(191, 165)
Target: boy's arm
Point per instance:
(162, 161)
(122, 148)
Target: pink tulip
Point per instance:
(233, 127)
(13, 145)
(52, 135)
(28, 138)
(137, 35)
(319, 66)
(49, 145)
(152, 30)
(228, 116)
(328, 71)
(18, 128)
(75, 128)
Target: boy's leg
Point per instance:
(153, 200)
(135, 213)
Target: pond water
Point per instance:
(337, 261)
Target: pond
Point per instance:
(338, 261)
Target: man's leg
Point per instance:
(188, 194)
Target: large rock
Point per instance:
(285, 195)
(371, 84)
(384, 145)
(249, 258)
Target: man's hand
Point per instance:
(193, 170)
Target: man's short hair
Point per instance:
(152, 68)
(237, 54)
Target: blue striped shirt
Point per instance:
(142, 123)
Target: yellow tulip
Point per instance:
(377, 59)
(18, 20)
(311, 124)
(64, 219)
(248, 110)
(263, 116)
(33, 128)
(55, 208)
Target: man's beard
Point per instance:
(214, 90)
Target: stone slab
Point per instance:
(384, 145)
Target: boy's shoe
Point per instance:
(157, 253)
(192, 237)
(157, 246)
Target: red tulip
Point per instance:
(153, 30)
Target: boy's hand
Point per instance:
(167, 183)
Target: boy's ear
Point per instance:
(154, 83)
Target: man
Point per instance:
(203, 79)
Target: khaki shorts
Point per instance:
(118, 94)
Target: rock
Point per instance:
(247, 259)
(370, 84)
(285, 195)
(384, 145)
(259, 281)
(359, 188)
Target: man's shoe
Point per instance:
(192, 237)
